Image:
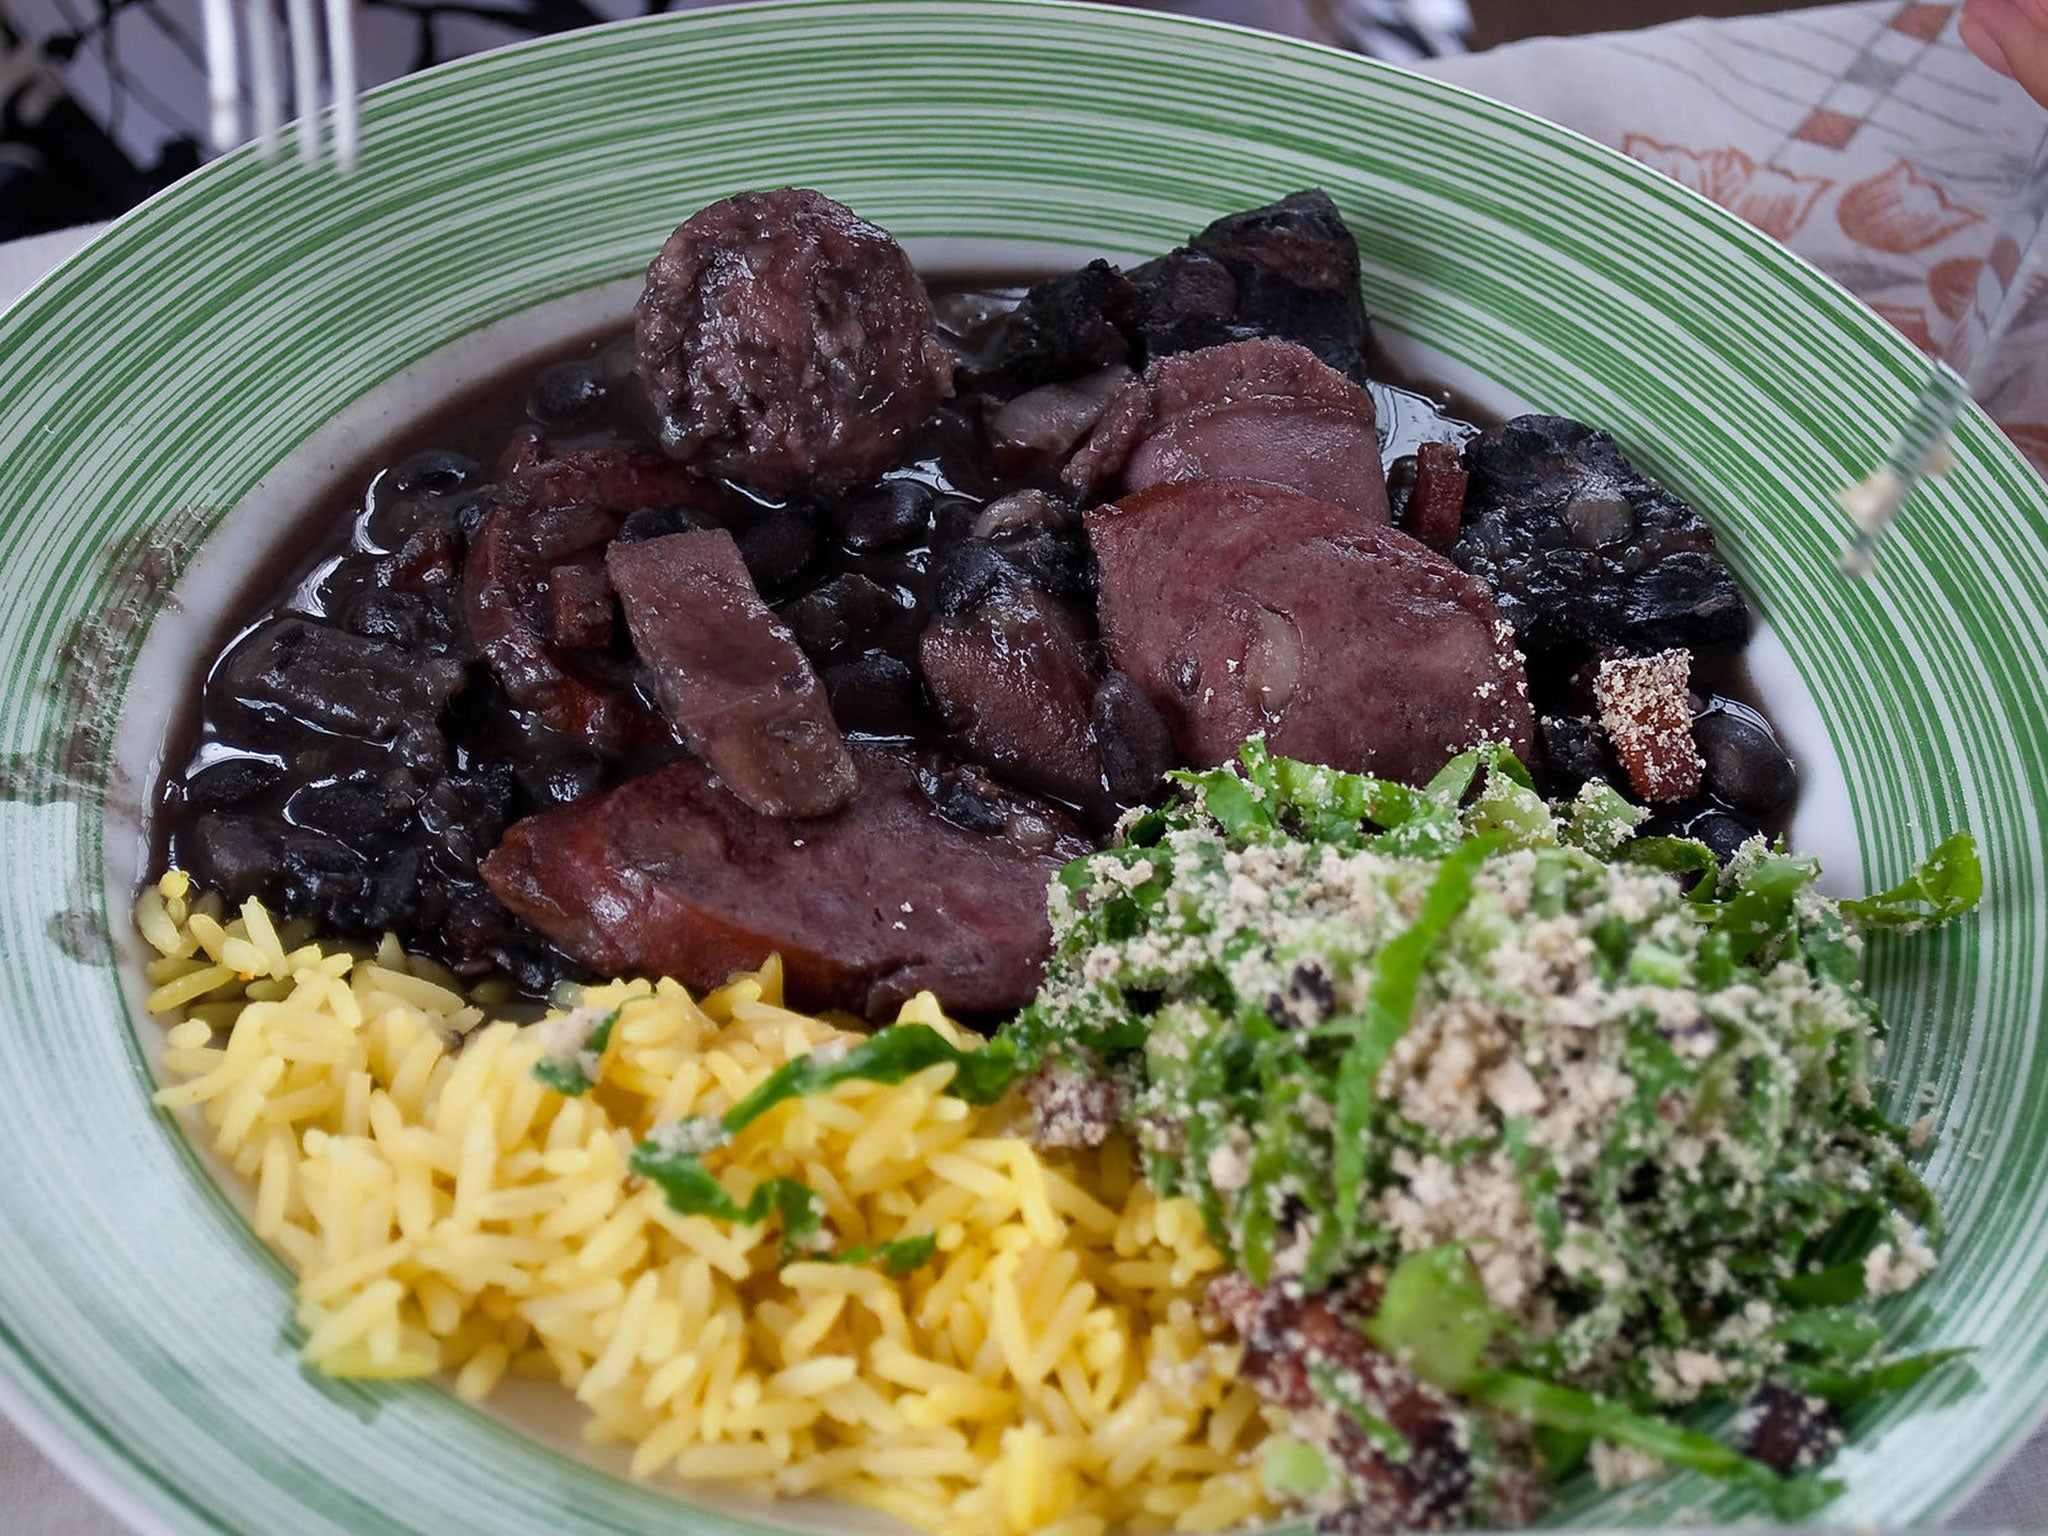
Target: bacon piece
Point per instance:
(1296, 1345)
(1646, 711)
(1437, 503)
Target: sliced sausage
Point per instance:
(729, 674)
(1252, 410)
(1240, 607)
(671, 875)
(785, 343)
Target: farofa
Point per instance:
(1046, 1371)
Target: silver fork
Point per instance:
(2018, 249)
(266, 92)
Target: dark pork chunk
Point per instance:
(1240, 607)
(729, 674)
(535, 595)
(1252, 410)
(1015, 687)
(670, 875)
(784, 342)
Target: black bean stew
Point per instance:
(827, 614)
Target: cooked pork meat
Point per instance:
(341, 682)
(536, 598)
(785, 343)
(1240, 607)
(518, 557)
(1296, 268)
(1015, 686)
(923, 881)
(620, 477)
(1646, 712)
(1585, 552)
(1060, 330)
(1251, 410)
(729, 675)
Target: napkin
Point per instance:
(1865, 137)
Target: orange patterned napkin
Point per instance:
(1866, 137)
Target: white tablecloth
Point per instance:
(1859, 134)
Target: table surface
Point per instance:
(1862, 135)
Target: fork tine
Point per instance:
(341, 72)
(268, 86)
(223, 82)
(298, 15)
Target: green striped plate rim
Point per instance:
(156, 379)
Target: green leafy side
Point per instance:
(573, 1073)
(1948, 883)
(1292, 1469)
(1355, 1009)
(1434, 1316)
(693, 1190)
(889, 1056)
(1847, 1388)
(899, 1256)
(1389, 1003)
(1567, 1410)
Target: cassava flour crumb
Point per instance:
(1047, 1370)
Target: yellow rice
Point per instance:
(1047, 1371)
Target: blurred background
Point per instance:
(102, 102)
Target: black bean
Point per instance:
(968, 798)
(1745, 766)
(560, 778)
(470, 923)
(1131, 739)
(842, 618)
(390, 893)
(416, 620)
(658, 522)
(235, 855)
(468, 812)
(876, 694)
(1400, 486)
(531, 963)
(1575, 750)
(967, 573)
(777, 549)
(1059, 563)
(355, 809)
(231, 782)
(893, 513)
(471, 510)
(1720, 832)
(566, 392)
(432, 474)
